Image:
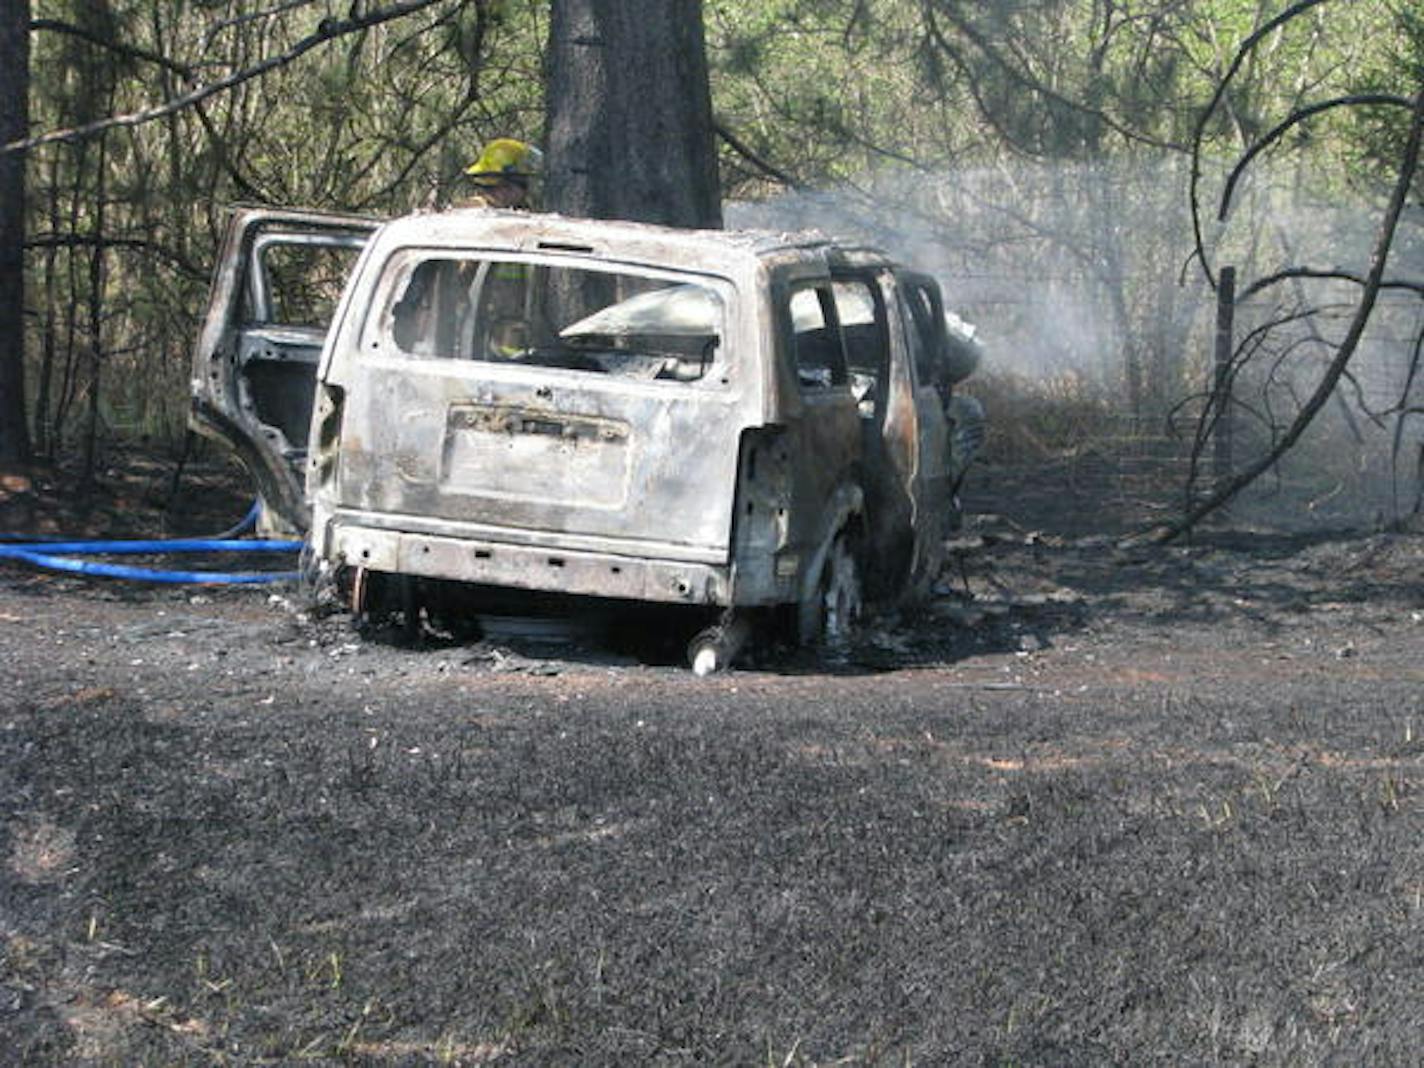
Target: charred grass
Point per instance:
(1094, 806)
(419, 861)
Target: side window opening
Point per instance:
(298, 278)
(816, 346)
(860, 307)
(925, 319)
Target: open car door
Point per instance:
(275, 288)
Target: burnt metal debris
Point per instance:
(751, 425)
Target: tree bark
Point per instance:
(629, 113)
(14, 124)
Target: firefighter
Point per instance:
(504, 173)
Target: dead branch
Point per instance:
(224, 158)
(251, 16)
(117, 47)
(327, 30)
(1217, 401)
(95, 241)
(1404, 413)
(456, 115)
(1298, 287)
(1335, 275)
(1362, 402)
(1281, 129)
(187, 73)
(741, 148)
(1199, 133)
(1409, 167)
(1025, 79)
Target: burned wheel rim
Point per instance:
(360, 593)
(829, 615)
(840, 593)
(379, 598)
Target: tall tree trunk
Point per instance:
(14, 126)
(630, 113)
(73, 282)
(49, 328)
(96, 307)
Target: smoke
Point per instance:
(1051, 262)
(1085, 273)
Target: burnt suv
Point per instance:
(752, 424)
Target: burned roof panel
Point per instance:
(520, 231)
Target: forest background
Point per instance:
(1041, 157)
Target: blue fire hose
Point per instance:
(57, 555)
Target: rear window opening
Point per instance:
(548, 315)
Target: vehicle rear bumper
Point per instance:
(530, 567)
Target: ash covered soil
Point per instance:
(1093, 805)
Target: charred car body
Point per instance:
(736, 421)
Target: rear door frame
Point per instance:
(222, 406)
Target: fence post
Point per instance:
(1221, 459)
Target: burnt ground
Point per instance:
(1095, 805)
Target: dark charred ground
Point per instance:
(1117, 806)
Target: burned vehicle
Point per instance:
(749, 424)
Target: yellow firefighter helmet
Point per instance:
(506, 160)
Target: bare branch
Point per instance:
(1199, 134)
(1362, 402)
(134, 243)
(1404, 413)
(117, 47)
(1409, 167)
(1031, 83)
(946, 46)
(251, 16)
(327, 30)
(1295, 119)
(1339, 276)
(1219, 400)
(759, 162)
(456, 113)
(223, 157)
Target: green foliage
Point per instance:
(1377, 134)
(124, 225)
(830, 93)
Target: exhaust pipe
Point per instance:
(715, 648)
